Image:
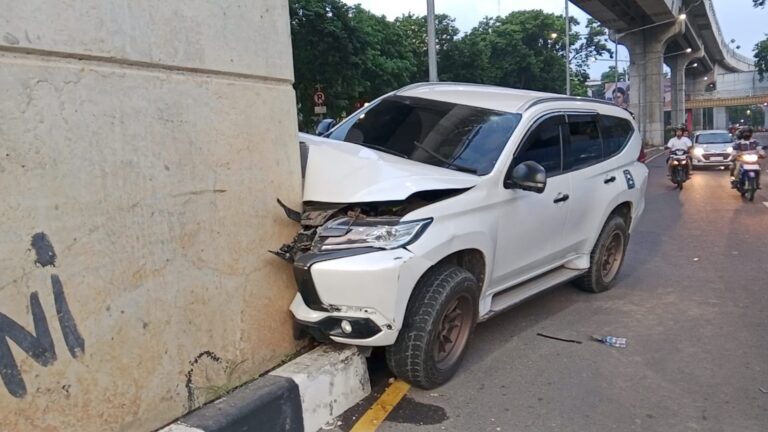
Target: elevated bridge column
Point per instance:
(720, 118)
(677, 65)
(646, 51)
(765, 116)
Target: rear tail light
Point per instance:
(641, 157)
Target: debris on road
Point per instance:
(558, 339)
(763, 390)
(696, 259)
(616, 342)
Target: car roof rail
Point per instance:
(547, 99)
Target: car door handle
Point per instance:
(610, 179)
(561, 197)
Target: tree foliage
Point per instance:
(355, 55)
(609, 76)
(414, 28)
(519, 51)
(761, 49)
(751, 115)
(761, 58)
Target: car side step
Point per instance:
(518, 294)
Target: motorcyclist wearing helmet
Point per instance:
(678, 142)
(744, 142)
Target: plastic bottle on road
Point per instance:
(617, 342)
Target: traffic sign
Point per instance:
(319, 98)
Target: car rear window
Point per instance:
(714, 138)
(437, 133)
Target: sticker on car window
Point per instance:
(630, 180)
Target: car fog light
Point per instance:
(346, 327)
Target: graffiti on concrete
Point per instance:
(46, 255)
(38, 345)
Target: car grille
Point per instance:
(725, 156)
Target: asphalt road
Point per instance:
(692, 300)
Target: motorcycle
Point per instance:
(747, 178)
(679, 167)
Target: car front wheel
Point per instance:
(438, 323)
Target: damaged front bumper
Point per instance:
(369, 289)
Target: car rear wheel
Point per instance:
(438, 323)
(607, 257)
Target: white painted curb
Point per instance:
(331, 379)
(302, 395)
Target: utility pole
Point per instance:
(567, 50)
(431, 48)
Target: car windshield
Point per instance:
(714, 138)
(437, 133)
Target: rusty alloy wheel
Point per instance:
(453, 334)
(613, 254)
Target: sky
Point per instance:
(738, 19)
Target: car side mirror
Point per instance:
(324, 126)
(528, 176)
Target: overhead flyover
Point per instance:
(684, 34)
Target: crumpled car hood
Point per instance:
(340, 172)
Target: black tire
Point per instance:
(596, 279)
(414, 357)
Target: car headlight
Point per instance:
(698, 151)
(750, 158)
(373, 232)
(729, 149)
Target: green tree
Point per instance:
(752, 115)
(761, 58)
(349, 52)
(761, 49)
(518, 51)
(609, 76)
(327, 51)
(414, 28)
(387, 62)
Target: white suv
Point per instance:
(441, 205)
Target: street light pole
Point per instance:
(431, 48)
(567, 51)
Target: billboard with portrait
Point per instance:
(619, 95)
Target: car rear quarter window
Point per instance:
(616, 133)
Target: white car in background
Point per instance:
(712, 148)
(441, 205)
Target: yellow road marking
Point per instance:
(379, 411)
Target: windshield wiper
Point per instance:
(385, 150)
(446, 161)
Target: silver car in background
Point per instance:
(712, 148)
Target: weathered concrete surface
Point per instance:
(155, 186)
(248, 37)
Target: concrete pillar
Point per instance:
(720, 118)
(698, 118)
(765, 116)
(678, 65)
(646, 50)
(143, 147)
(677, 74)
